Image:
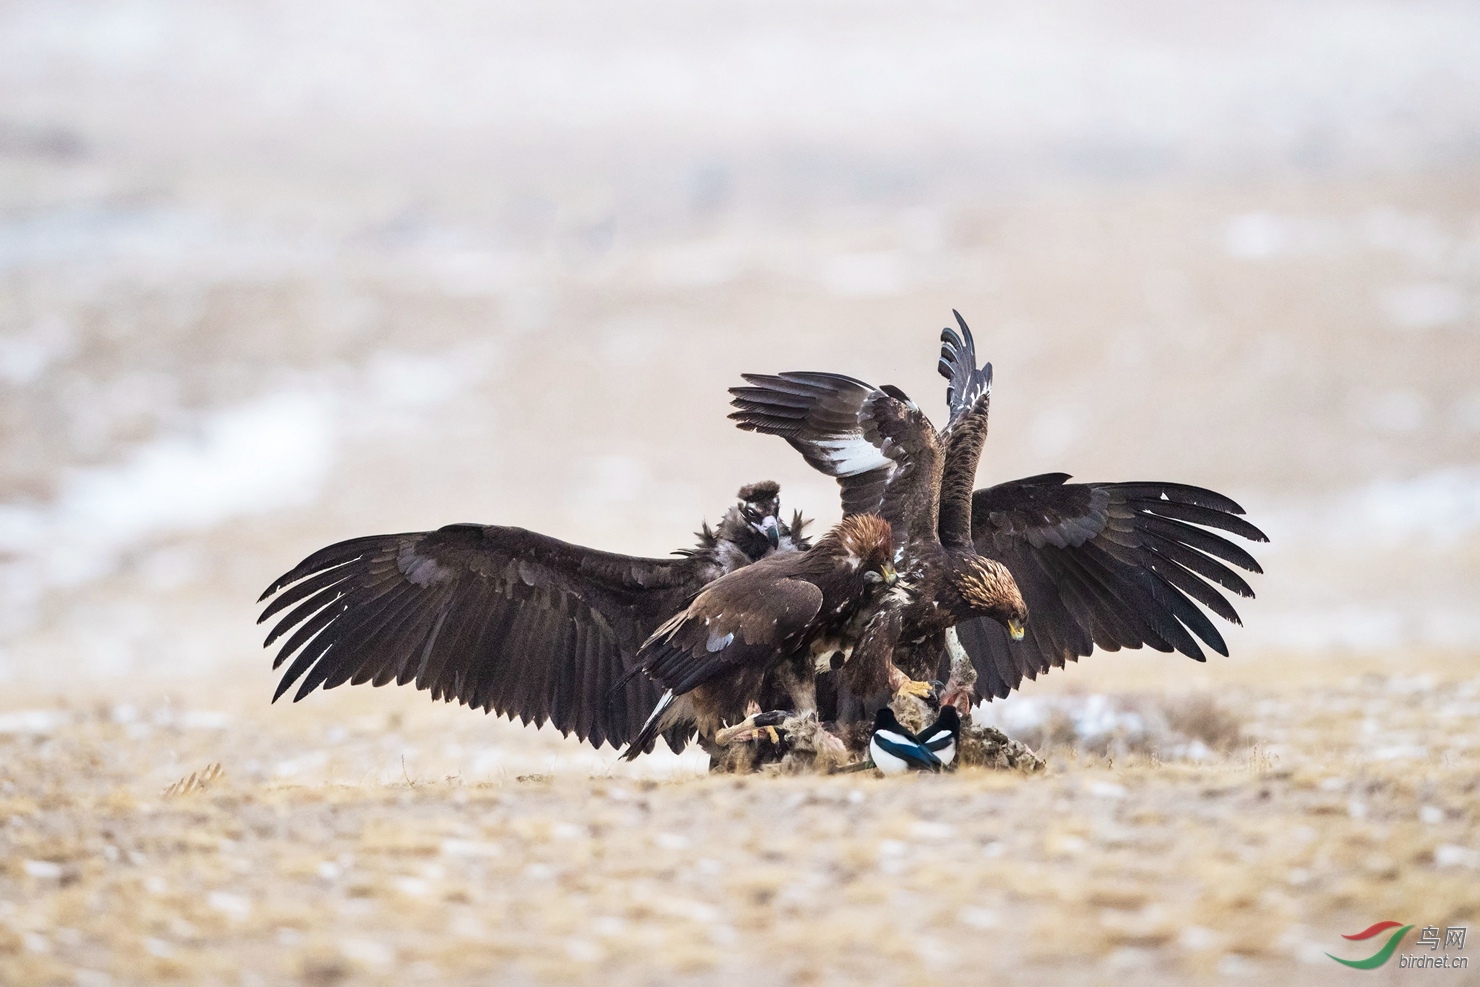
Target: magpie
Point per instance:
(895, 750)
(942, 736)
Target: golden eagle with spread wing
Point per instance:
(1113, 565)
(507, 620)
(888, 459)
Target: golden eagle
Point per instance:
(1113, 565)
(888, 459)
(788, 615)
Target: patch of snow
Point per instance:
(370, 952)
(43, 870)
(1426, 305)
(1451, 855)
(24, 357)
(261, 456)
(235, 906)
(39, 721)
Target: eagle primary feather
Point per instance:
(1113, 565)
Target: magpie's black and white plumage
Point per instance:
(896, 751)
(942, 736)
(889, 459)
(507, 620)
(788, 615)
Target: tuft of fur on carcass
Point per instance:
(912, 712)
(988, 747)
(804, 747)
(810, 748)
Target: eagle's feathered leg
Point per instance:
(962, 683)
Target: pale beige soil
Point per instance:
(372, 837)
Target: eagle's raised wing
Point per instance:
(501, 619)
(969, 394)
(874, 440)
(1113, 565)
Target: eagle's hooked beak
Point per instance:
(890, 574)
(1016, 629)
(768, 527)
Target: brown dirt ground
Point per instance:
(372, 837)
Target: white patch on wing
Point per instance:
(719, 643)
(850, 455)
(421, 570)
(661, 708)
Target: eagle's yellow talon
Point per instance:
(913, 687)
(775, 737)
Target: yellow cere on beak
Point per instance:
(1015, 628)
(889, 574)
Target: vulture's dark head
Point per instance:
(754, 523)
(990, 591)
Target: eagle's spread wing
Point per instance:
(875, 441)
(969, 393)
(1114, 565)
(498, 618)
(742, 619)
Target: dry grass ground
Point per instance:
(371, 837)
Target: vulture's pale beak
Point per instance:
(1016, 629)
(768, 527)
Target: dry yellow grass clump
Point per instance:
(371, 837)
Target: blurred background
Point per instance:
(276, 274)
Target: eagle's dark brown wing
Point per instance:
(501, 619)
(1113, 565)
(875, 441)
(731, 634)
(969, 393)
(743, 619)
